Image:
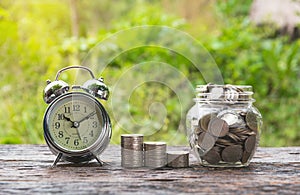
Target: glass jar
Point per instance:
(223, 126)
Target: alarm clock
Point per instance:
(77, 128)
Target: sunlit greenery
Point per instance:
(37, 38)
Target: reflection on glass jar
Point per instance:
(223, 126)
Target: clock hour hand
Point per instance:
(74, 125)
(67, 118)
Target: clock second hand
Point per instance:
(74, 125)
(77, 131)
(77, 123)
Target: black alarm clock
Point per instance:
(77, 128)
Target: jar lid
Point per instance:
(230, 94)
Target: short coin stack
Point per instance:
(178, 159)
(132, 150)
(155, 154)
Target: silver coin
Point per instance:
(245, 97)
(204, 121)
(198, 130)
(224, 142)
(212, 157)
(230, 117)
(155, 145)
(238, 89)
(216, 93)
(231, 95)
(218, 127)
(232, 153)
(242, 113)
(201, 88)
(206, 141)
(252, 120)
(234, 137)
(241, 131)
(132, 136)
(246, 157)
(250, 143)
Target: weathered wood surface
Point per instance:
(26, 169)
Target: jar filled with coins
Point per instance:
(223, 126)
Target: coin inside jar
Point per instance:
(231, 118)
(232, 153)
(245, 157)
(198, 130)
(212, 157)
(218, 127)
(250, 143)
(206, 141)
(204, 121)
(231, 95)
(252, 120)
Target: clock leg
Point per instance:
(58, 157)
(99, 160)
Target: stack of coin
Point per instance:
(178, 159)
(132, 150)
(227, 93)
(155, 154)
(227, 136)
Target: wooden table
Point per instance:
(27, 169)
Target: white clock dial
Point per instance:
(75, 122)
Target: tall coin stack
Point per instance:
(155, 154)
(132, 150)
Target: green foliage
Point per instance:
(36, 41)
(246, 55)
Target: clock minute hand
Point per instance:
(87, 117)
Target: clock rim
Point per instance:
(93, 150)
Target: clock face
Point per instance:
(74, 122)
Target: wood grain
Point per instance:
(27, 169)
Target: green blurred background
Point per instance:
(37, 38)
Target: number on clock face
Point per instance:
(75, 123)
